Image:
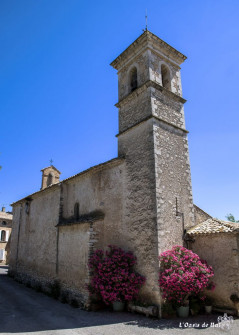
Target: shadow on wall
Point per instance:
(23, 310)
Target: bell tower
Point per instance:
(153, 139)
(50, 176)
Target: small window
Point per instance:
(3, 235)
(166, 82)
(49, 179)
(76, 211)
(27, 207)
(4, 223)
(133, 79)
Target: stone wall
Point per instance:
(167, 107)
(155, 63)
(49, 244)
(140, 220)
(200, 215)
(173, 182)
(34, 235)
(221, 251)
(124, 74)
(135, 108)
(98, 191)
(73, 256)
(157, 172)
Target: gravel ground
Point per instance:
(24, 311)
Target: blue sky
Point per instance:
(58, 91)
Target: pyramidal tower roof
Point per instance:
(148, 40)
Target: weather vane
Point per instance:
(51, 161)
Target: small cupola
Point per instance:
(50, 176)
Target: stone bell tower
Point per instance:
(153, 139)
(50, 176)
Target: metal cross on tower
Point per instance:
(146, 20)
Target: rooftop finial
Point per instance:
(51, 161)
(146, 20)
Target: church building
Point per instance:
(140, 201)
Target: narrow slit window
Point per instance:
(133, 79)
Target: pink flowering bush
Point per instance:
(113, 276)
(183, 273)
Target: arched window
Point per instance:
(49, 179)
(76, 210)
(133, 79)
(166, 82)
(3, 235)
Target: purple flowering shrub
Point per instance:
(183, 273)
(113, 276)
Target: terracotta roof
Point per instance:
(5, 215)
(213, 226)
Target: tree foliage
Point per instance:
(230, 217)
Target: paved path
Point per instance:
(24, 311)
